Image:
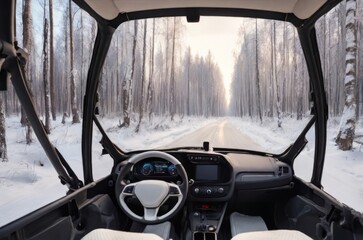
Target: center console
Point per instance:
(211, 178)
(211, 186)
(205, 219)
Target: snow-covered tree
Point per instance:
(27, 45)
(348, 121)
(143, 79)
(46, 73)
(128, 81)
(3, 148)
(51, 62)
(74, 106)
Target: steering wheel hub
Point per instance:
(151, 193)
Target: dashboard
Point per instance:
(210, 174)
(214, 176)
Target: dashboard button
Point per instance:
(220, 190)
(173, 190)
(196, 190)
(209, 191)
(129, 189)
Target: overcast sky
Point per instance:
(219, 35)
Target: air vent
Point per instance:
(283, 170)
(204, 158)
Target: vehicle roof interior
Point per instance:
(109, 9)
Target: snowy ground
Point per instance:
(24, 180)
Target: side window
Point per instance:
(339, 39)
(26, 174)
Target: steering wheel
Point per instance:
(152, 194)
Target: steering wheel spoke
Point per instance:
(151, 214)
(174, 190)
(129, 190)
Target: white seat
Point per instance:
(107, 234)
(272, 235)
(241, 223)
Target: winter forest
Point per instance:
(151, 71)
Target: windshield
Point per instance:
(237, 83)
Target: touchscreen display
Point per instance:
(206, 172)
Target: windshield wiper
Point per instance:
(238, 150)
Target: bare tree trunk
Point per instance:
(273, 69)
(3, 147)
(258, 78)
(164, 105)
(127, 83)
(172, 78)
(27, 44)
(45, 75)
(150, 91)
(348, 121)
(141, 105)
(188, 84)
(82, 58)
(278, 98)
(359, 59)
(74, 107)
(65, 74)
(51, 62)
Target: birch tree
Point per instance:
(258, 86)
(51, 62)
(150, 89)
(27, 45)
(172, 76)
(65, 80)
(3, 147)
(277, 84)
(143, 77)
(348, 121)
(127, 83)
(188, 63)
(45, 74)
(74, 107)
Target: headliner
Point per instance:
(110, 9)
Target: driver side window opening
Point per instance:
(342, 175)
(27, 175)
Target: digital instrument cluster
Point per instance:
(155, 167)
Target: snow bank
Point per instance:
(24, 180)
(29, 176)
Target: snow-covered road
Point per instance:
(219, 134)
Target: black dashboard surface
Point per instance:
(217, 176)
